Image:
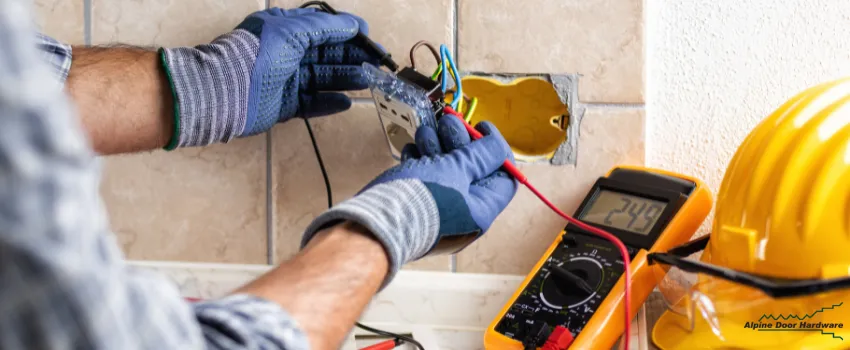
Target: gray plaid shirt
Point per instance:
(63, 280)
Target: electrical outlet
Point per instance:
(393, 111)
(402, 107)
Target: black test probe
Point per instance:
(360, 39)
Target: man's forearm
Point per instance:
(328, 285)
(123, 97)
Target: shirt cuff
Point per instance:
(248, 322)
(57, 55)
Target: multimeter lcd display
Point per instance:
(624, 212)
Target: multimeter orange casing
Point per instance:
(606, 325)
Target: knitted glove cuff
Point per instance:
(401, 214)
(210, 85)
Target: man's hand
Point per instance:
(446, 189)
(277, 64)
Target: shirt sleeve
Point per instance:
(57, 55)
(64, 281)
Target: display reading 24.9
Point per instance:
(625, 212)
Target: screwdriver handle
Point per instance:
(509, 167)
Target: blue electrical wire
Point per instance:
(444, 80)
(445, 55)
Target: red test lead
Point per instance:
(521, 178)
(508, 166)
(384, 345)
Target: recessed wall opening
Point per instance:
(528, 112)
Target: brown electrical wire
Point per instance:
(430, 47)
(434, 52)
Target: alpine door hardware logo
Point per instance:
(797, 323)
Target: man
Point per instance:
(64, 283)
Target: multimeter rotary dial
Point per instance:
(574, 282)
(568, 288)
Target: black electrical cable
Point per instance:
(330, 204)
(321, 163)
(320, 4)
(391, 335)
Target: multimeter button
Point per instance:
(568, 241)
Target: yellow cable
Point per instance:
(437, 72)
(471, 110)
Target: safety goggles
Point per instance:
(720, 307)
(773, 287)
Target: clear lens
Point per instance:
(675, 287)
(727, 314)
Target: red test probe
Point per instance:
(521, 178)
(384, 345)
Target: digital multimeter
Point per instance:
(578, 282)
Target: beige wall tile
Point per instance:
(167, 22)
(398, 24)
(61, 19)
(191, 204)
(600, 39)
(354, 152)
(521, 234)
(199, 204)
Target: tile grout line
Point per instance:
(614, 105)
(87, 23)
(270, 238)
(455, 30)
(455, 15)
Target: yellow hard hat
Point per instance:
(783, 214)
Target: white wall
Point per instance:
(715, 68)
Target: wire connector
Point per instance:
(410, 75)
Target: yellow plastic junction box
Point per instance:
(527, 111)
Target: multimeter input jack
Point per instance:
(536, 336)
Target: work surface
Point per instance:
(444, 311)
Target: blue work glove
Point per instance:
(445, 193)
(277, 64)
